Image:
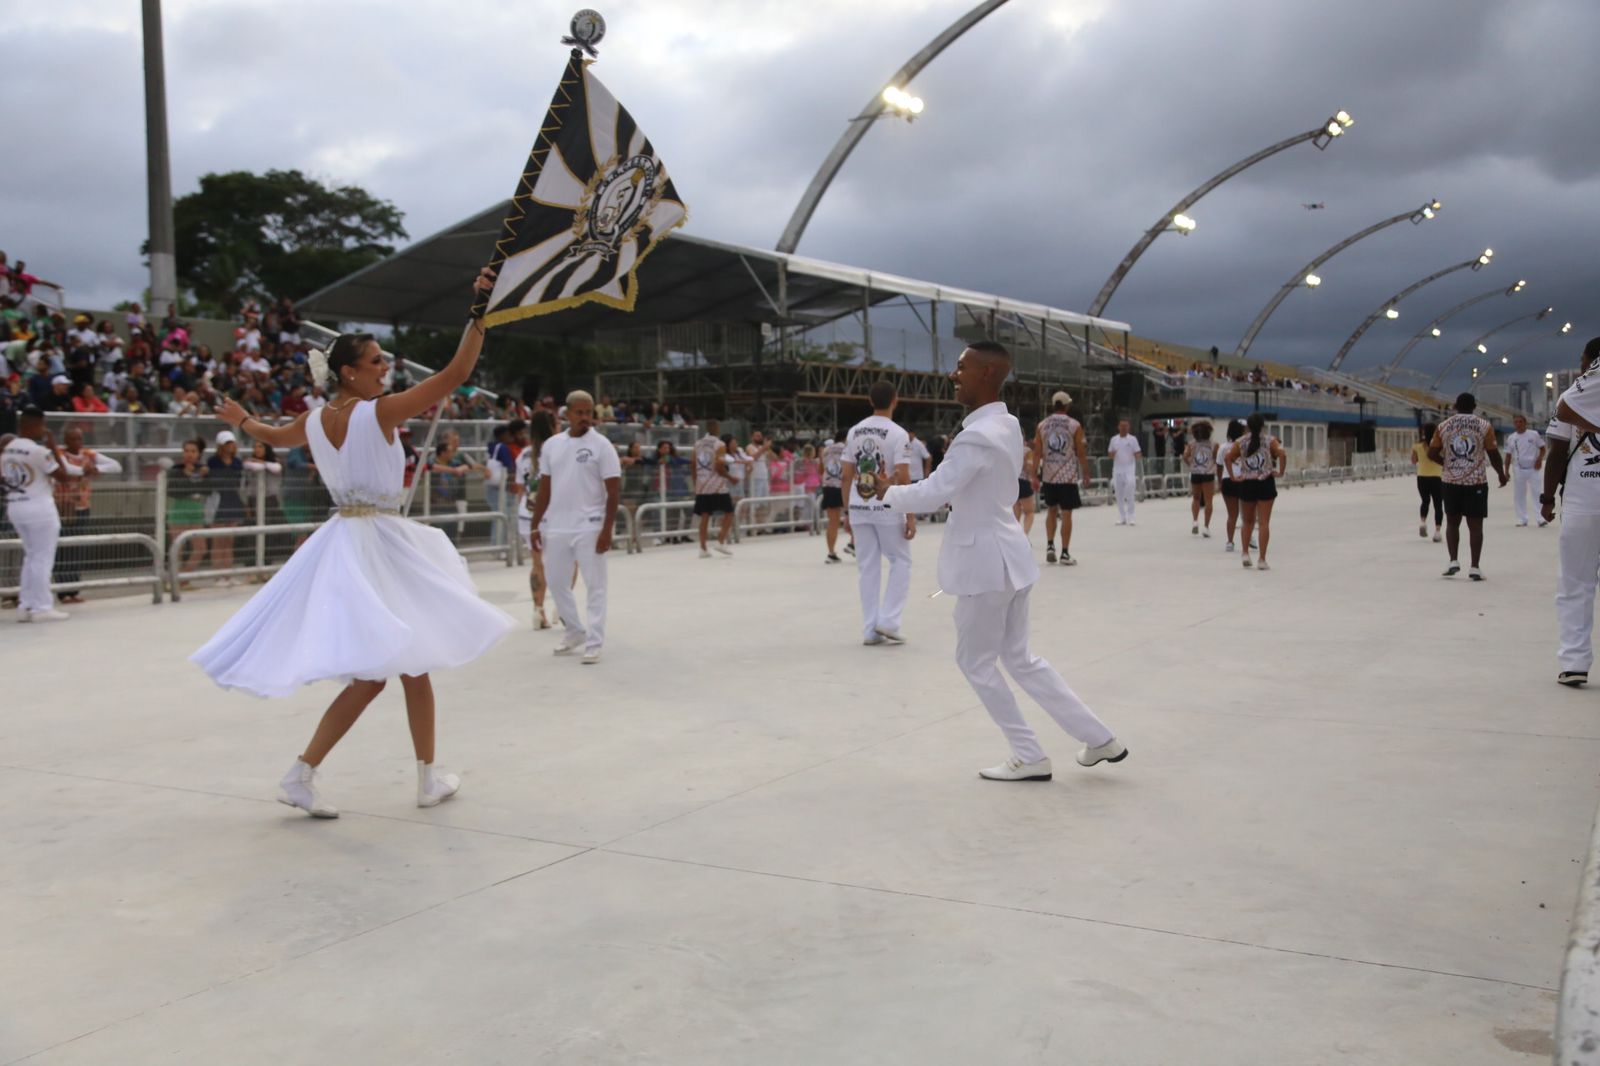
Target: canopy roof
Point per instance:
(685, 279)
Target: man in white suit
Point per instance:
(986, 563)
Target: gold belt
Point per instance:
(365, 510)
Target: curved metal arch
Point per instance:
(1110, 287)
(857, 128)
(1426, 331)
(1294, 282)
(1451, 365)
(1338, 359)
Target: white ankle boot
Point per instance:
(299, 789)
(434, 788)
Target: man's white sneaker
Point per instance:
(299, 789)
(724, 549)
(434, 788)
(49, 614)
(1194, 530)
(1542, 523)
(1050, 553)
(1453, 569)
(1520, 524)
(1475, 574)
(1228, 547)
(876, 638)
(591, 656)
(1067, 560)
(1111, 751)
(1437, 536)
(568, 646)
(705, 553)
(1206, 533)
(1014, 769)
(891, 635)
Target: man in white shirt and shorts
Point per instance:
(875, 453)
(1124, 451)
(1524, 451)
(580, 484)
(712, 490)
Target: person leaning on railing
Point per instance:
(187, 490)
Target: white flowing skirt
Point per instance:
(362, 598)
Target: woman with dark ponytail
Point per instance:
(1228, 472)
(370, 594)
(1260, 461)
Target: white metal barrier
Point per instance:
(153, 578)
(508, 549)
(646, 510)
(806, 503)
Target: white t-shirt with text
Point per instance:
(874, 446)
(577, 468)
(1580, 495)
(25, 469)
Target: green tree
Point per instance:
(276, 234)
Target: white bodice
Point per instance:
(367, 471)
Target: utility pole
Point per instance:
(163, 260)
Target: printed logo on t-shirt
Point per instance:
(583, 455)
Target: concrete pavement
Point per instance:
(1350, 829)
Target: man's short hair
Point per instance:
(1466, 403)
(994, 348)
(1591, 352)
(881, 395)
(579, 396)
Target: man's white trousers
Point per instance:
(992, 629)
(1580, 561)
(561, 551)
(39, 533)
(1526, 482)
(1122, 483)
(875, 542)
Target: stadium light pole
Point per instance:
(163, 257)
(1387, 309)
(1505, 358)
(1432, 328)
(880, 104)
(1307, 275)
(1479, 347)
(1178, 221)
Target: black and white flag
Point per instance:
(593, 200)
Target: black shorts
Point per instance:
(1230, 488)
(1024, 489)
(832, 498)
(1466, 501)
(1060, 494)
(713, 503)
(1202, 479)
(1257, 491)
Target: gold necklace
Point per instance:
(341, 406)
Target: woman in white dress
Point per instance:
(370, 594)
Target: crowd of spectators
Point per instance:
(1258, 375)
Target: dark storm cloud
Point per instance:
(1040, 158)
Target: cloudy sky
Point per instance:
(1055, 132)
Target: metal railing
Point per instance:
(771, 522)
(509, 550)
(152, 577)
(662, 511)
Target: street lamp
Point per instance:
(1307, 275)
(1481, 349)
(1182, 224)
(1321, 137)
(1388, 310)
(1535, 339)
(900, 103)
(857, 128)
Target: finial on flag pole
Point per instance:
(587, 29)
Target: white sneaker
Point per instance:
(1453, 569)
(724, 549)
(1014, 769)
(568, 645)
(1422, 530)
(876, 638)
(591, 656)
(891, 635)
(1542, 523)
(1111, 751)
(1121, 522)
(1067, 560)
(1228, 547)
(1194, 530)
(49, 614)
(1521, 524)
(1206, 533)
(705, 553)
(434, 788)
(299, 789)
(1474, 573)
(1437, 536)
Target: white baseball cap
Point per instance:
(226, 437)
(1060, 397)
(61, 379)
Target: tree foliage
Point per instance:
(276, 234)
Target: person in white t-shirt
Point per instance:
(580, 484)
(525, 485)
(875, 451)
(919, 461)
(30, 464)
(1524, 451)
(1574, 458)
(1124, 451)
